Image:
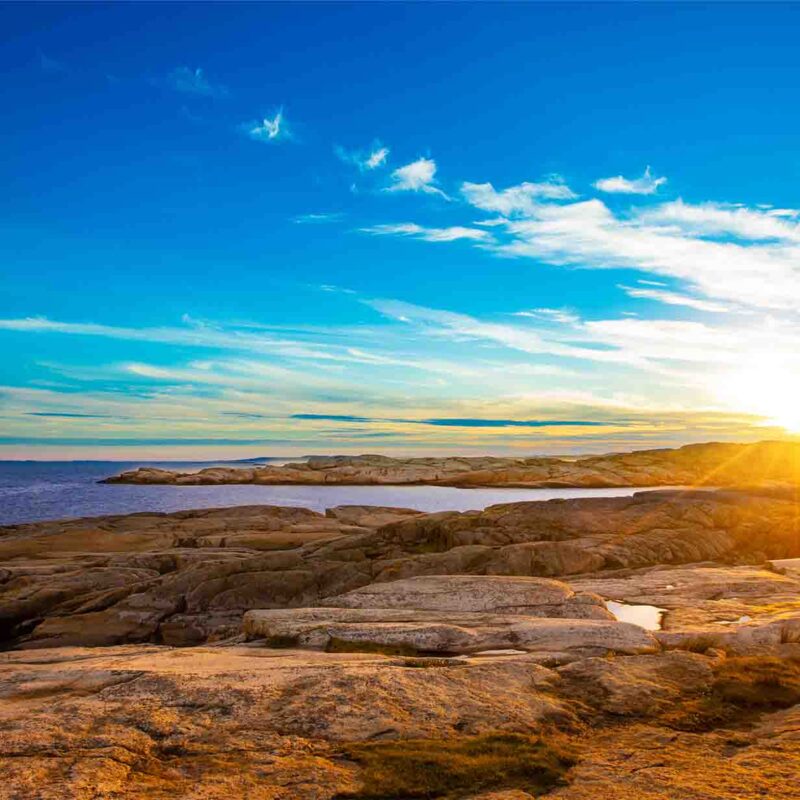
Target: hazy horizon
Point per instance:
(207, 456)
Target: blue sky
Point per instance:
(247, 229)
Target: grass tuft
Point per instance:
(444, 768)
(353, 646)
(280, 642)
(742, 687)
(760, 683)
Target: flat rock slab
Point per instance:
(787, 566)
(440, 632)
(541, 597)
(678, 586)
(703, 597)
(742, 639)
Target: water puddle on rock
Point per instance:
(647, 617)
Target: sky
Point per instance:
(233, 230)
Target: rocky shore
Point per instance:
(711, 464)
(279, 653)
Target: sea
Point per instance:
(31, 491)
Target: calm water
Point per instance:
(37, 490)
(647, 617)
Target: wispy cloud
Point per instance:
(647, 184)
(673, 349)
(558, 315)
(193, 334)
(520, 199)
(674, 299)
(194, 81)
(242, 339)
(366, 160)
(523, 339)
(718, 219)
(451, 234)
(377, 158)
(305, 219)
(418, 176)
(746, 255)
(269, 129)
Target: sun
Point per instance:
(769, 388)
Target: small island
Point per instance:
(708, 464)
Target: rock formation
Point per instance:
(712, 464)
(367, 653)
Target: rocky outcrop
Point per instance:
(377, 653)
(188, 577)
(445, 633)
(712, 464)
(150, 721)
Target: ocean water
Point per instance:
(40, 490)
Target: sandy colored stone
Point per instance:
(484, 593)
(637, 685)
(443, 632)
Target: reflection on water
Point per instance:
(647, 617)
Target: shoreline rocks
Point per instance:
(281, 654)
(710, 464)
(188, 577)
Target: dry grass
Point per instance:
(443, 768)
(432, 662)
(280, 642)
(353, 646)
(742, 688)
(761, 683)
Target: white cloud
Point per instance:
(366, 160)
(193, 334)
(377, 158)
(318, 218)
(521, 199)
(653, 283)
(463, 326)
(686, 355)
(674, 299)
(647, 184)
(451, 234)
(418, 176)
(743, 256)
(194, 81)
(587, 234)
(269, 129)
(668, 340)
(558, 315)
(716, 219)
